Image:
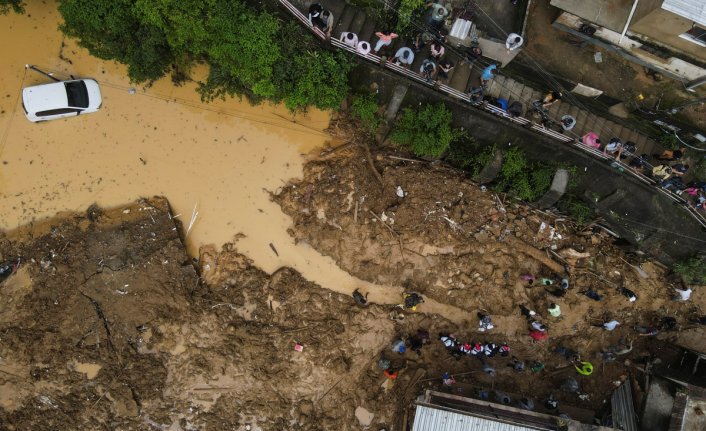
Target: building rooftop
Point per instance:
(694, 10)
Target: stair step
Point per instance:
(516, 91)
(562, 109)
(496, 85)
(459, 80)
(357, 23)
(505, 88)
(526, 96)
(345, 21)
(581, 117)
(573, 110)
(368, 30)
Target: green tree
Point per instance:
(427, 131)
(365, 109)
(15, 5)
(110, 30)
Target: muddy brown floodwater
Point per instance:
(220, 160)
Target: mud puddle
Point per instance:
(216, 163)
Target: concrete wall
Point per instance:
(637, 211)
(611, 14)
(665, 27)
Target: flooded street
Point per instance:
(220, 159)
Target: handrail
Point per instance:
(452, 92)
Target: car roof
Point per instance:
(45, 97)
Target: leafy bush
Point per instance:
(407, 11)
(580, 212)
(669, 141)
(463, 153)
(527, 181)
(426, 131)
(693, 269)
(365, 109)
(15, 5)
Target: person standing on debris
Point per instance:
(504, 350)
(529, 278)
(359, 298)
(609, 325)
(384, 39)
(475, 95)
(487, 369)
(646, 331)
(321, 18)
(350, 39)
(593, 294)
(628, 294)
(485, 323)
(529, 314)
(411, 300)
(488, 74)
(661, 172)
(554, 310)
(475, 349)
(537, 367)
(517, 365)
(404, 57)
(584, 368)
(682, 294)
(449, 340)
(417, 341)
(526, 404)
(490, 349)
(398, 346)
(447, 379)
(538, 326)
(513, 42)
(551, 98)
(551, 403)
(391, 373)
(670, 155)
(538, 335)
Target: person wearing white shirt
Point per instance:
(349, 38)
(683, 295)
(513, 42)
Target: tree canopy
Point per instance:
(250, 52)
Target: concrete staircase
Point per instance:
(350, 18)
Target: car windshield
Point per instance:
(77, 94)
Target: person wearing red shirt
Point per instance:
(538, 335)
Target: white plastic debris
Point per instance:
(598, 57)
(542, 227)
(400, 192)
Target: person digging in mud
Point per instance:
(558, 292)
(447, 379)
(570, 354)
(417, 341)
(359, 298)
(485, 323)
(398, 346)
(551, 403)
(504, 350)
(411, 300)
(490, 349)
(529, 278)
(628, 294)
(529, 314)
(8, 268)
(593, 295)
(668, 323)
(537, 326)
(538, 335)
(584, 368)
(646, 331)
(517, 365)
(554, 310)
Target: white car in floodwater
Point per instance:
(61, 99)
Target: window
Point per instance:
(61, 111)
(696, 35)
(77, 93)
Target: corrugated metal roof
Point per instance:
(694, 10)
(623, 408)
(431, 419)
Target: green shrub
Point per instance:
(365, 109)
(693, 269)
(407, 12)
(526, 181)
(15, 5)
(580, 212)
(464, 154)
(669, 141)
(426, 131)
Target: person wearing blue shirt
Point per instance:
(488, 74)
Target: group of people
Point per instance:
(669, 176)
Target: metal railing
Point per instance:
(456, 94)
